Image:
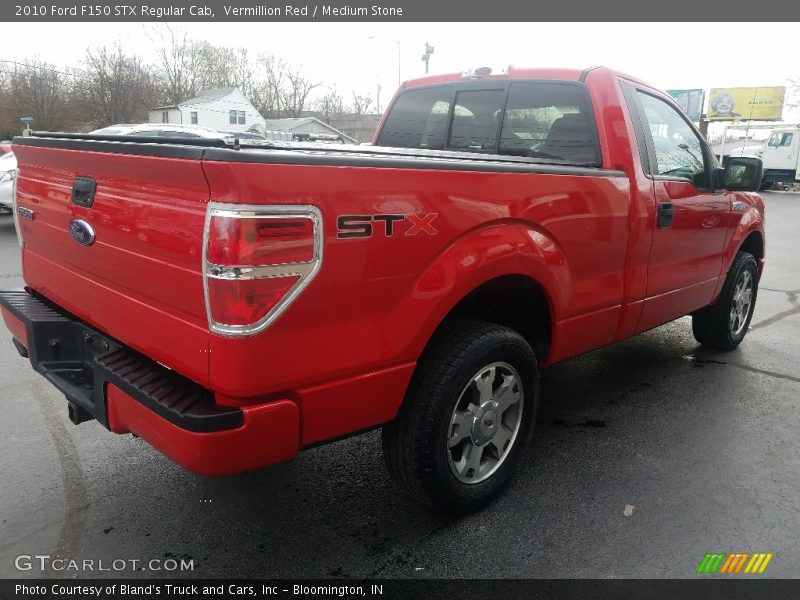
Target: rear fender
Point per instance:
(500, 249)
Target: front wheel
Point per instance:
(466, 418)
(723, 325)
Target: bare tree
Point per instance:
(354, 113)
(361, 104)
(793, 95)
(182, 65)
(266, 94)
(280, 91)
(295, 94)
(9, 120)
(39, 90)
(116, 87)
(242, 75)
(330, 105)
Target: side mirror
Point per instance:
(743, 173)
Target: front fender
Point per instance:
(496, 250)
(750, 211)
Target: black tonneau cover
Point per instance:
(269, 151)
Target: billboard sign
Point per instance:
(746, 104)
(691, 101)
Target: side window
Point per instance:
(550, 120)
(781, 139)
(476, 119)
(418, 119)
(678, 149)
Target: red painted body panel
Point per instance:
(270, 435)
(340, 358)
(141, 282)
(385, 296)
(351, 404)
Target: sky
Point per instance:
(358, 56)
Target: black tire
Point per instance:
(714, 325)
(415, 444)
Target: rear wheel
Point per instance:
(724, 324)
(467, 416)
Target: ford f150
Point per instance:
(234, 304)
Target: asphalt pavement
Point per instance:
(647, 455)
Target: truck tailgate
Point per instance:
(139, 280)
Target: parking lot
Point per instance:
(647, 455)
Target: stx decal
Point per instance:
(363, 226)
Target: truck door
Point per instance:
(691, 217)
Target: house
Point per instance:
(312, 125)
(223, 108)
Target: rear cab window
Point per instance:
(547, 121)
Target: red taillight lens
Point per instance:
(246, 301)
(257, 261)
(258, 241)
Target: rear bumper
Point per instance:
(129, 393)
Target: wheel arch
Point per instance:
(516, 301)
(493, 273)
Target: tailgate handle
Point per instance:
(83, 189)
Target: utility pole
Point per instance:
(427, 56)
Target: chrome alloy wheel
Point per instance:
(485, 423)
(742, 301)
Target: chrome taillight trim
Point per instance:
(285, 270)
(305, 271)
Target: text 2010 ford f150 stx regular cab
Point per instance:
(232, 305)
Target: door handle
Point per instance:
(666, 214)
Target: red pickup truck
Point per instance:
(235, 304)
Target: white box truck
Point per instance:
(781, 154)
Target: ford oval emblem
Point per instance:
(81, 232)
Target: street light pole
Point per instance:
(427, 56)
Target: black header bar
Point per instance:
(286, 11)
